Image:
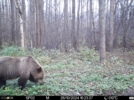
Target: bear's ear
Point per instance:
(39, 69)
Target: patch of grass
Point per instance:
(89, 54)
(74, 73)
(90, 78)
(12, 51)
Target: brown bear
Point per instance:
(26, 68)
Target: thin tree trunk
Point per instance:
(41, 21)
(91, 25)
(65, 38)
(47, 24)
(6, 21)
(87, 36)
(37, 24)
(24, 18)
(73, 25)
(111, 39)
(102, 30)
(12, 23)
(78, 24)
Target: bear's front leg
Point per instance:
(2, 82)
(23, 80)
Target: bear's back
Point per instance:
(9, 67)
(4, 58)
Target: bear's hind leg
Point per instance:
(2, 83)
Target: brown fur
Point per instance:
(26, 68)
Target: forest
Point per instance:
(86, 47)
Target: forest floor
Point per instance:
(79, 73)
(82, 74)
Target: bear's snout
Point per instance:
(41, 82)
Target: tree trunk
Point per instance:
(73, 25)
(24, 18)
(6, 21)
(111, 39)
(12, 23)
(91, 25)
(41, 22)
(102, 30)
(32, 29)
(78, 24)
(19, 8)
(37, 24)
(65, 37)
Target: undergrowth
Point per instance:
(74, 73)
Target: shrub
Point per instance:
(89, 54)
(12, 51)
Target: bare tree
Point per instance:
(111, 39)
(24, 18)
(87, 39)
(65, 36)
(37, 24)
(48, 24)
(73, 25)
(31, 28)
(55, 10)
(78, 25)
(7, 12)
(125, 19)
(91, 24)
(102, 30)
(19, 8)
(12, 23)
(41, 22)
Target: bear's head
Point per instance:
(36, 71)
